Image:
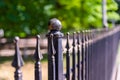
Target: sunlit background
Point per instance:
(27, 18)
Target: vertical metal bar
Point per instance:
(107, 56)
(17, 61)
(50, 59)
(38, 57)
(92, 56)
(99, 56)
(86, 55)
(68, 58)
(89, 53)
(53, 57)
(94, 61)
(79, 55)
(83, 57)
(74, 59)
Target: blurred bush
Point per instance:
(30, 17)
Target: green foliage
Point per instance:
(84, 14)
(118, 10)
(24, 18)
(30, 17)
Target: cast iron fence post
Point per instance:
(38, 57)
(55, 27)
(17, 61)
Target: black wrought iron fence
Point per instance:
(93, 54)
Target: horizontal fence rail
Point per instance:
(90, 56)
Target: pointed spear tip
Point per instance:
(74, 32)
(67, 44)
(89, 30)
(37, 54)
(38, 36)
(16, 39)
(51, 35)
(86, 30)
(68, 33)
(74, 36)
(17, 61)
(83, 31)
(78, 32)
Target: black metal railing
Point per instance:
(91, 56)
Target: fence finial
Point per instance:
(74, 38)
(54, 24)
(17, 61)
(67, 44)
(37, 55)
(52, 46)
(78, 38)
